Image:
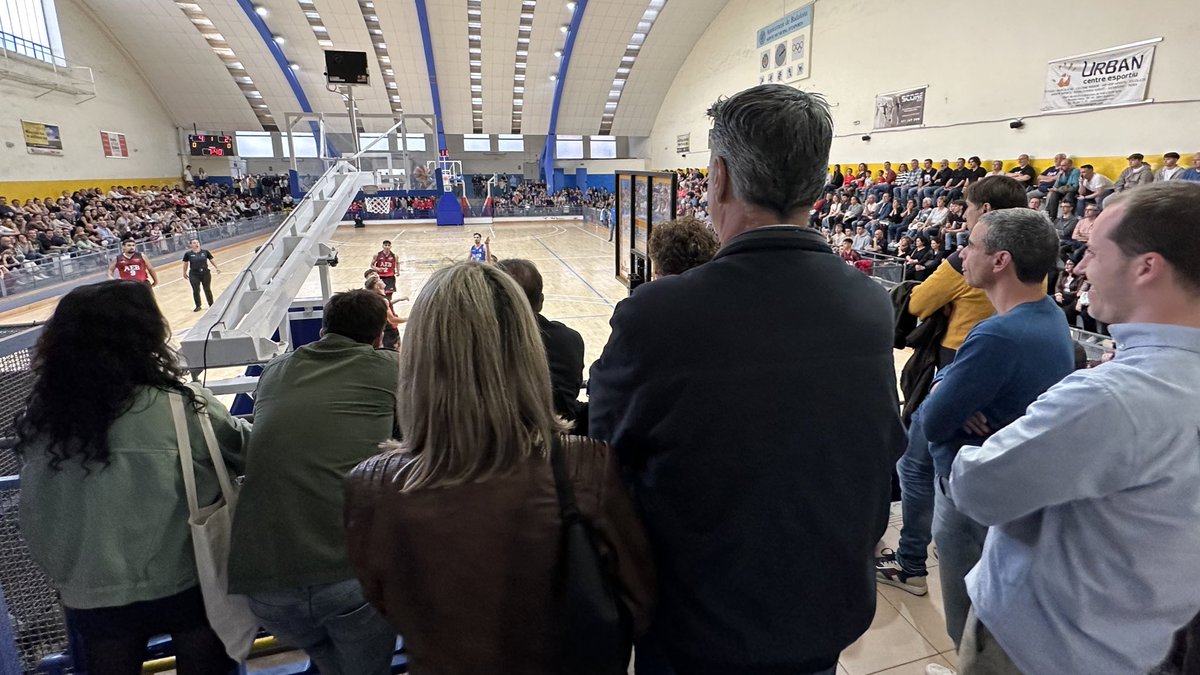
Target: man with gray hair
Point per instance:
(723, 394)
(1006, 362)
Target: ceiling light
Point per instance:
(558, 53)
(279, 39)
(553, 77)
(564, 28)
(571, 6)
(294, 66)
(261, 11)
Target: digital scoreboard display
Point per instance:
(207, 145)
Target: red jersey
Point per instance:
(385, 263)
(132, 268)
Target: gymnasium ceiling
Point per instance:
(172, 42)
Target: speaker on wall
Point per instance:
(346, 67)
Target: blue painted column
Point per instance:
(549, 151)
(449, 209)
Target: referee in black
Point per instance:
(195, 270)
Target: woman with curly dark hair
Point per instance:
(103, 506)
(679, 245)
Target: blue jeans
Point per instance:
(960, 237)
(960, 546)
(915, 469)
(333, 624)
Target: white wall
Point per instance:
(124, 103)
(981, 60)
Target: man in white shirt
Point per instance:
(1093, 188)
(1089, 566)
(1170, 169)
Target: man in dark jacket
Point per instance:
(564, 346)
(723, 392)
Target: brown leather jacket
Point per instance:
(463, 573)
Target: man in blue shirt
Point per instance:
(1066, 186)
(1005, 363)
(1092, 495)
(1192, 174)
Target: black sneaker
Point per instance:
(891, 573)
(197, 308)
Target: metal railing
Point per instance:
(50, 269)
(536, 211)
(33, 63)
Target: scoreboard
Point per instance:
(211, 145)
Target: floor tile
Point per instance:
(891, 539)
(925, 613)
(842, 670)
(889, 642)
(914, 668)
(951, 657)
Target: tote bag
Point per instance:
(211, 526)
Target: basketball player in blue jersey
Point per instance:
(481, 251)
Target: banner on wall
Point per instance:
(1116, 76)
(683, 143)
(114, 144)
(784, 48)
(900, 109)
(42, 139)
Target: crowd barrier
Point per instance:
(57, 268)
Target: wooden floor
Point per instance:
(576, 263)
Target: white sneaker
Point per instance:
(935, 669)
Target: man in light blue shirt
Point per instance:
(1093, 497)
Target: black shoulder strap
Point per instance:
(567, 508)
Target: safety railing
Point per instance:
(54, 268)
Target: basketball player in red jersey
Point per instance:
(384, 265)
(132, 266)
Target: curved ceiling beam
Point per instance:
(549, 152)
(427, 42)
(285, 67)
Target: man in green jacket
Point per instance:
(318, 412)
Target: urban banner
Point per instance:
(900, 109)
(1116, 76)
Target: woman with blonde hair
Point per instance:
(456, 532)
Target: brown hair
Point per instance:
(999, 192)
(681, 244)
(1162, 218)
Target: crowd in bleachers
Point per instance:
(84, 222)
(533, 194)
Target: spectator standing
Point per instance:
(679, 245)
(288, 548)
(906, 568)
(1006, 362)
(767, 531)
(1101, 468)
(103, 506)
(475, 406)
(564, 346)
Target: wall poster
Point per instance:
(1108, 77)
(114, 144)
(42, 139)
(784, 48)
(900, 109)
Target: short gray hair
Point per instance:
(1029, 238)
(775, 141)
